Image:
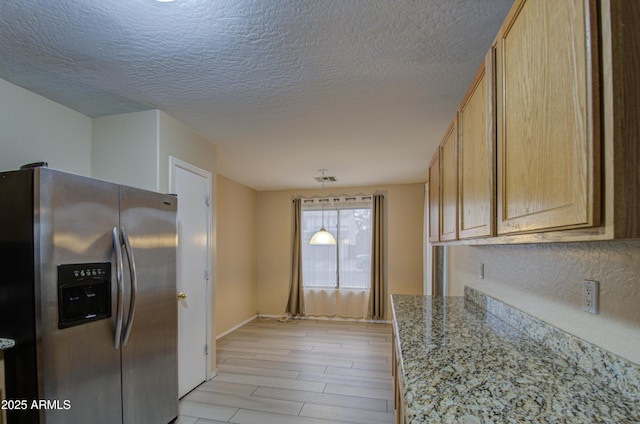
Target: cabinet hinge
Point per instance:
(206, 349)
(206, 275)
(207, 200)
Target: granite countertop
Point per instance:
(6, 344)
(460, 363)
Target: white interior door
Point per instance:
(192, 186)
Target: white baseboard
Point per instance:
(272, 316)
(285, 317)
(236, 327)
(318, 318)
(213, 374)
(369, 321)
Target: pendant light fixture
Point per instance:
(322, 236)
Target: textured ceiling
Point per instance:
(364, 88)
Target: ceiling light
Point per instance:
(322, 236)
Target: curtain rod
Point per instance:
(338, 198)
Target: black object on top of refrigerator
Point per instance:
(88, 300)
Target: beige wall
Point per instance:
(236, 274)
(2, 388)
(134, 149)
(545, 280)
(404, 249)
(131, 149)
(3, 415)
(180, 141)
(125, 149)
(35, 129)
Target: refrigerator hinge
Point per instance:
(207, 200)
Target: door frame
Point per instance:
(175, 163)
(427, 252)
(435, 280)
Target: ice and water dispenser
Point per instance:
(84, 293)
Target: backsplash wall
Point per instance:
(545, 280)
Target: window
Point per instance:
(347, 264)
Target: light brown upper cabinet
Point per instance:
(449, 183)
(434, 197)
(565, 164)
(548, 125)
(476, 141)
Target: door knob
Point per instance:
(182, 296)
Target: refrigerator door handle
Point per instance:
(134, 286)
(119, 268)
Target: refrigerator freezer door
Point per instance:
(79, 364)
(17, 298)
(149, 357)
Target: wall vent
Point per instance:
(325, 179)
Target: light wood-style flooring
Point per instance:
(301, 371)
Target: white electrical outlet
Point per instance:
(590, 292)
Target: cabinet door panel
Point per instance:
(449, 184)
(548, 137)
(476, 156)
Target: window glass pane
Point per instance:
(355, 248)
(319, 263)
(346, 264)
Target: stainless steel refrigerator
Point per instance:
(87, 300)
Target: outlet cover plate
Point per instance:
(590, 294)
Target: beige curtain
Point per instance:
(295, 305)
(334, 303)
(378, 296)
